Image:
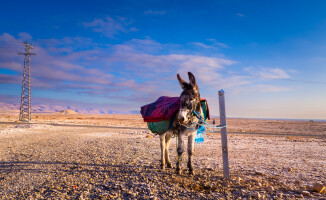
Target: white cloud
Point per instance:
(205, 46)
(274, 73)
(213, 44)
(155, 12)
(24, 36)
(206, 68)
(110, 27)
(134, 72)
(49, 70)
(216, 43)
(259, 88)
(268, 73)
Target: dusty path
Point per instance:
(44, 161)
(145, 129)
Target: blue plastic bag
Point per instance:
(200, 134)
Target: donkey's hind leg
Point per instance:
(168, 138)
(162, 143)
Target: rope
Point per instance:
(205, 124)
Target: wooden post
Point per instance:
(224, 135)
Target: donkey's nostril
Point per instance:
(181, 118)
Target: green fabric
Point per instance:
(204, 108)
(159, 127)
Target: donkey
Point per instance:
(183, 125)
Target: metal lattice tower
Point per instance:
(25, 105)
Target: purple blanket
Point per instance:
(162, 109)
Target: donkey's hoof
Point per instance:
(162, 167)
(178, 171)
(169, 165)
(191, 172)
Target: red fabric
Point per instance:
(163, 109)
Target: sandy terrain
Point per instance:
(234, 125)
(41, 161)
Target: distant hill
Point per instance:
(8, 107)
(42, 108)
(69, 112)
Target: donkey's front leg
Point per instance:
(191, 142)
(162, 143)
(168, 138)
(179, 151)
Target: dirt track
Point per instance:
(43, 161)
(320, 135)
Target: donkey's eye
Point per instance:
(191, 103)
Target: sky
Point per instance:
(116, 56)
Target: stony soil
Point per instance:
(47, 162)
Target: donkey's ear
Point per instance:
(182, 82)
(193, 81)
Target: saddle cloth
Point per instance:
(164, 108)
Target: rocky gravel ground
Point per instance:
(47, 162)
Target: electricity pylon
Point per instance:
(25, 105)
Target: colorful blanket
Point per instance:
(164, 108)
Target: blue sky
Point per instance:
(115, 56)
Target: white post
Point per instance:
(224, 135)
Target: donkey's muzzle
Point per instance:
(182, 117)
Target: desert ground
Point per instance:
(42, 160)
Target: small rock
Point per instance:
(305, 193)
(299, 196)
(239, 180)
(38, 195)
(259, 173)
(81, 197)
(256, 195)
(318, 187)
(316, 194)
(259, 184)
(270, 189)
(225, 184)
(280, 195)
(243, 192)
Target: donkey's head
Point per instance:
(189, 98)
